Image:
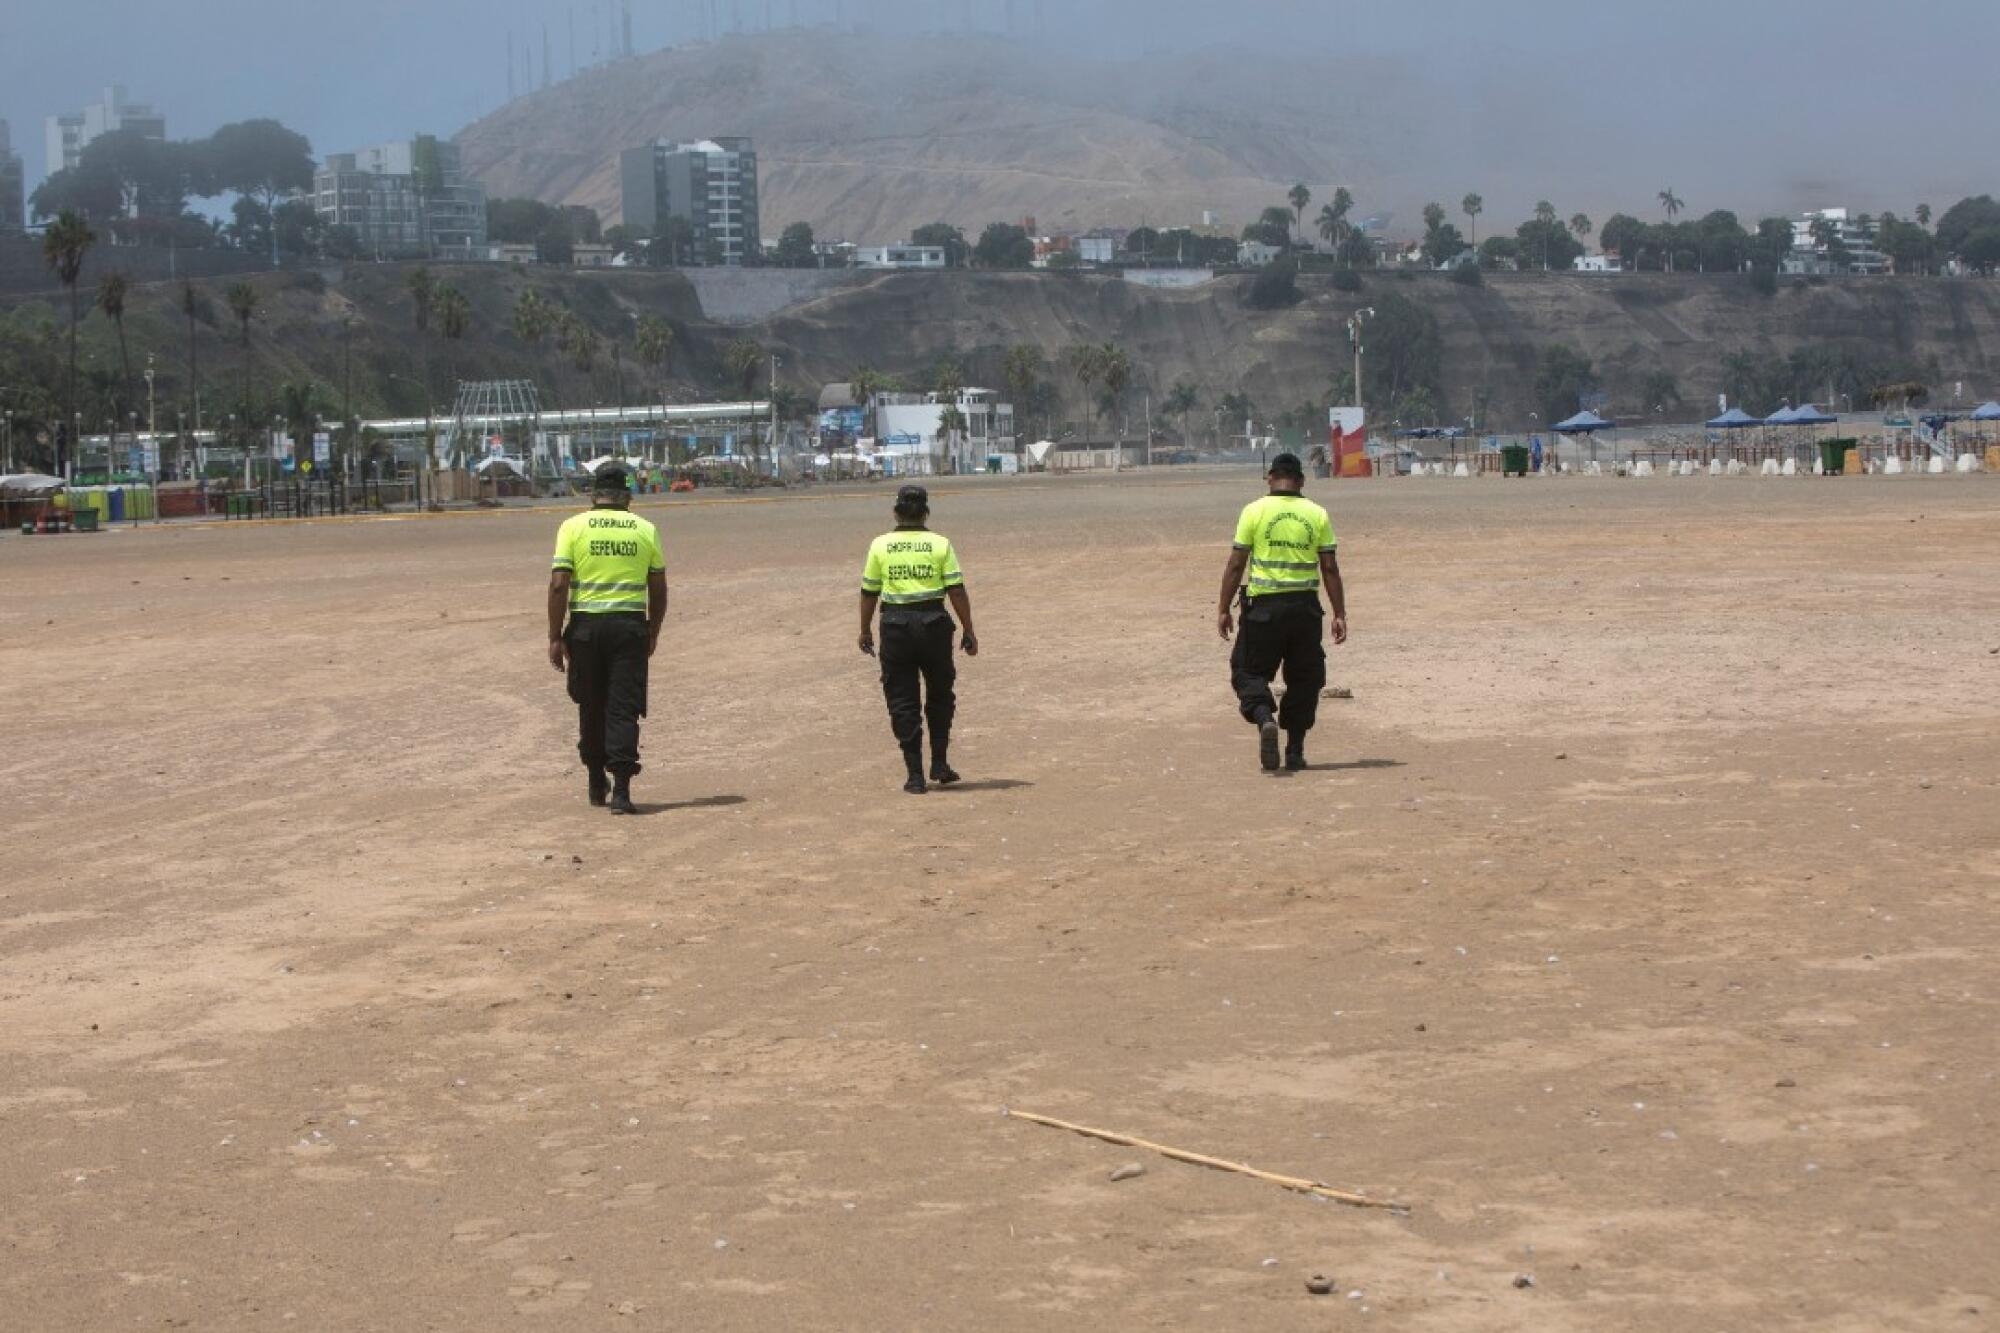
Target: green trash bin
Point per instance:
(1514, 460)
(83, 520)
(1832, 454)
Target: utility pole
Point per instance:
(774, 413)
(1149, 428)
(153, 436)
(347, 395)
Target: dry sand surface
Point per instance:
(1636, 926)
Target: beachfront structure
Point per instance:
(13, 180)
(899, 256)
(710, 185)
(909, 434)
(408, 197)
(66, 136)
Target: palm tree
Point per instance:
(1472, 206)
(533, 318)
(454, 317)
(1333, 217)
(1579, 223)
(654, 344)
(741, 360)
(423, 298)
(1545, 213)
(1086, 362)
(64, 244)
(1923, 215)
(865, 384)
(111, 289)
(298, 403)
(1182, 399)
(190, 306)
(1671, 202)
(1022, 370)
(1299, 196)
(578, 341)
(242, 299)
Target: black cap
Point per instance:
(612, 477)
(913, 500)
(1287, 465)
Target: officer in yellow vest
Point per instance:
(1285, 543)
(911, 573)
(610, 581)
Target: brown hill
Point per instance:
(866, 136)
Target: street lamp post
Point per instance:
(153, 436)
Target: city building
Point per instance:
(66, 136)
(1831, 241)
(710, 185)
(409, 197)
(13, 180)
(899, 256)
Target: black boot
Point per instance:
(1295, 751)
(913, 764)
(941, 772)
(621, 796)
(600, 786)
(1267, 740)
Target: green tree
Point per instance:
(191, 307)
(1405, 350)
(1962, 219)
(1981, 249)
(741, 361)
(64, 244)
(299, 404)
(1116, 371)
(1546, 243)
(1563, 375)
(1671, 203)
(1433, 216)
(423, 303)
(1499, 252)
(1276, 287)
(1023, 369)
(1772, 244)
(1472, 206)
(943, 234)
(1085, 362)
(242, 300)
(1443, 245)
(1299, 196)
(111, 290)
(654, 344)
(1579, 225)
(260, 158)
(454, 319)
(1923, 215)
(865, 384)
(795, 247)
(579, 342)
(1624, 236)
(1005, 246)
(1182, 399)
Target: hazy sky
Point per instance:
(1751, 104)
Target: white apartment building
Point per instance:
(66, 136)
(710, 185)
(899, 256)
(1810, 256)
(383, 194)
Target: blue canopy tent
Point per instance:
(1784, 416)
(1584, 423)
(1986, 412)
(1734, 419)
(1807, 415)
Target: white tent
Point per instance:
(1039, 451)
(29, 483)
(498, 463)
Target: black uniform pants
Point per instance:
(607, 680)
(1281, 631)
(917, 678)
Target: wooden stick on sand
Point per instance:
(1299, 1183)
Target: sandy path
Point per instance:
(1639, 927)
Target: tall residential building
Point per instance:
(13, 204)
(712, 185)
(1847, 247)
(67, 136)
(410, 197)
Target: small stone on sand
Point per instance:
(1127, 1171)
